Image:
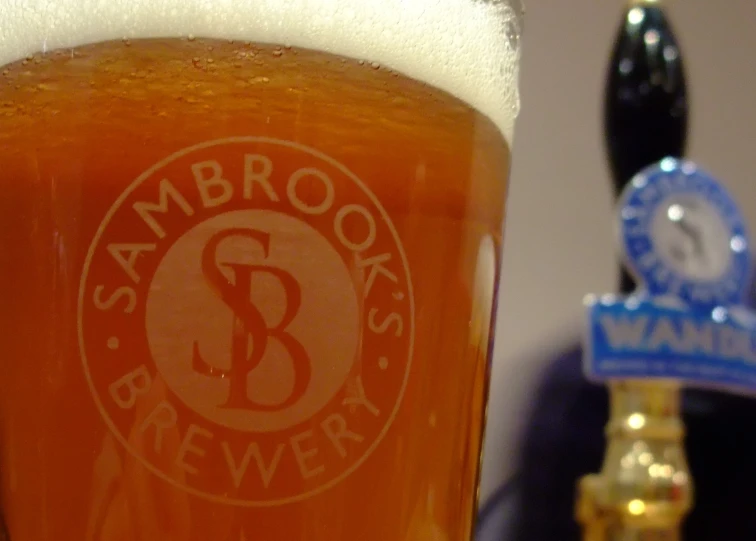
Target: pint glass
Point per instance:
(249, 252)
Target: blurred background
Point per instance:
(560, 235)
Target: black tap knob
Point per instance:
(646, 101)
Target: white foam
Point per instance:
(461, 46)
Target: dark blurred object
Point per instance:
(646, 119)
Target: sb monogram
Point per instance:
(246, 321)
(249, 322)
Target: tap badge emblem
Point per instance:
(683, 236)
(685, 241)
(246, 321)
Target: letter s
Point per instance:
(384, 325)
(110, 302)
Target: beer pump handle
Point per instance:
(646, 99)
(645, 120)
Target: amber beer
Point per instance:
(246, 289)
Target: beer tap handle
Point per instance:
(646, 99)
(645, 121)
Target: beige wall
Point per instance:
(559, 242)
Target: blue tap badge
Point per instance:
(685, 240)
(682, 235)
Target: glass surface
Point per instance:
(250, 253)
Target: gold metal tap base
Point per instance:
(644, 489)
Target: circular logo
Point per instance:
(246, 321)
(683, 235)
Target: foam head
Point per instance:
(468, 48)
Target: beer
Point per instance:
(247, 284)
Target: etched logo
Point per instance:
(246, 321)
